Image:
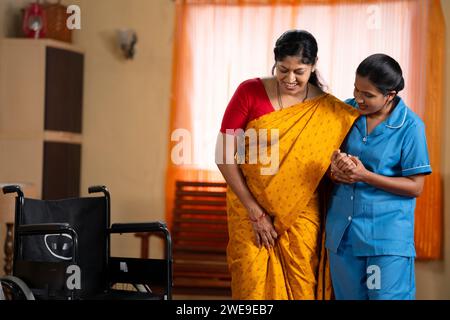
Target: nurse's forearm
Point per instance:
(404, 186)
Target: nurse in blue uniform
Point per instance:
(379, 173)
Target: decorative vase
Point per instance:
(9, 248)
(34, 21)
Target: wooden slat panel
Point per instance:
(181, 211)
(200, 221)
(206, 283)
(200, 184)
(202, 269)
(212, 258)
(214, 229)
(181, 193)
(200, 236)
(197, 249)
(200, 245)
(179, 202)
(188, 237)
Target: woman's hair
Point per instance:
(383, 71)
(301, 44)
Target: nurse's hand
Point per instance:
(342, 161)
(340, 177)
(359, 173)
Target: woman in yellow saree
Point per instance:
(275, 248)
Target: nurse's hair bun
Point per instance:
(383, 71)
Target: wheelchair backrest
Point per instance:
(42, 253)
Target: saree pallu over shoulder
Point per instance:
(307, 136)
(301, 140)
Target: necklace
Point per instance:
(280, 102)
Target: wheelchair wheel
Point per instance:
(12, 288)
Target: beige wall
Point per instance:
(10, 17)
(126, 107)
(10, 26)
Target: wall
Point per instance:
(10, 17)
(11, 26)
(126, 108)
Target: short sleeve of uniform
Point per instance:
(351, 102)
(415, 159)
(237, 112)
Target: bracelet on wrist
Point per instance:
(259, 218)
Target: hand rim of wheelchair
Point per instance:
(16, 284)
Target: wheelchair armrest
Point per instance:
(44, 228)
(156, 226)
(138, 227)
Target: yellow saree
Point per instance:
(295, 268)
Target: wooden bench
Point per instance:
(200, 236)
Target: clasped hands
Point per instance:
(346, 168)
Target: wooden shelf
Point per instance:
(41, 97)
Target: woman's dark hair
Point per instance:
(383, 71)
(301, 44)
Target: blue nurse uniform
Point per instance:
(370, 230)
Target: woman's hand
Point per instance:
(359, 173)
(411, 186)
(345, 172)
(261, 222)
(265, 233)
(342, 161)
(341, 164)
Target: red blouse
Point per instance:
(250, 101)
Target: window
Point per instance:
(220, 43)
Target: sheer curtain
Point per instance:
(219, 44)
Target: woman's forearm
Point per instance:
(235, 179)
(404, 186)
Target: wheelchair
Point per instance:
(62, 252)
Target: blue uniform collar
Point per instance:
(395, 120)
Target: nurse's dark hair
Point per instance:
(383, 71)
(301, 44)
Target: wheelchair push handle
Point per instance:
(12, 189)
(95, 189)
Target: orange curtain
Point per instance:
(180, 115)
(430, 52)
(219, 43)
